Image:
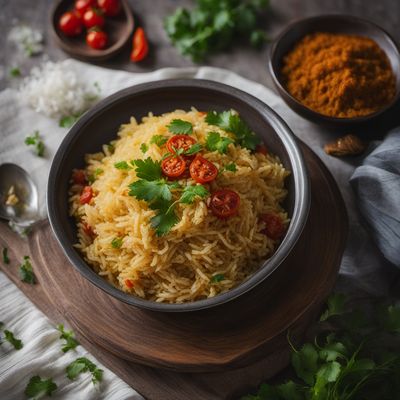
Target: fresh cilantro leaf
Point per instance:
(37, 142)
(26, 272)
(288, 391)
(69, 337)
(333, 351)
(231, 122)
(150, 190)
(144, 147)
(38, 387)
(163, 222)
(216, 142)
(82, 364)
(193, 149)
(158, 140)
(122, 165)
(217, 278)
(15, 72)
(6, 259)
(117, 242)
(9, 336)
(335, 304)
(96, 173)
(230, 167)
(191, 192)
(68, 120)
(180, 127)
(305, 363)
(148, 169)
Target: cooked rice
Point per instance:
(179, 266)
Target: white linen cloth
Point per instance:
(362, 268)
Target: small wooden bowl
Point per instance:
(119, 30)
(335, 24)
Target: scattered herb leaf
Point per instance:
(217, 278)
(216, 142)
(96, 173)
(151, 190)
(230, 167)
(116, 243)
(189, 193)
(68, 120)
(144, 147)
(158, 140)
(193, 149)
(37, 142)
(69, 337)
(6, 259)
(180, 127)
(82, 364)
(9, 336)
(148, 169)
(15, 72)
(122, 165)
(335, 304)
(38, 387)
(26, 272)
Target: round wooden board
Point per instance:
(233, 335)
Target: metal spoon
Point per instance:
(18, 197)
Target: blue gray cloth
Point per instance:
(377, 186)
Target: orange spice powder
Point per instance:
(339, 75)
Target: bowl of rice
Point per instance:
(178, 195)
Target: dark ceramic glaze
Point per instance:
(100, 125)
(334, 24)
(119, 30)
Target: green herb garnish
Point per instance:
(15, 72)
(96, 173)
(111, 148)
(230, 167)
(26, 272)
(122, 165)
(148, 169)
(158, 140)
(193, 149)
(9, 336)
(82, 364)
(144, 147)
(229, 121)
(116, 243)
(38, 387)
(216, 142)
(189, 193)
(68, 120)
(37, 142)
(69, 337)
(217, 278)
(6, 259)
(180, 127)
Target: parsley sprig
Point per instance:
(9, 337)
(158, 140)
(26, 271)
(38, 387)
(216, 142)
(81, 365)
(69, 337)
(229, 121)
(180, 127)
(37, 142)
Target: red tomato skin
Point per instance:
(202, 170)
(165, 166)
(93, 17)
(180, 142)
(82, 5)
(129, 283)
(97, 39)
(274, 227)
(111, 8)
(223, 197)
(88, 230)
(70, 24)
(261, 148)
(79, 177)
(86, 195)
(140, 46)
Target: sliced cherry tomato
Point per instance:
(274, 227)
(86, 195)
(128, 283)
(93, 17)
(261, 148)
(79, 177)
(173, 166)
(88, 230)
(177, 142)
(70, 24)
(96, 39)
(110, 7)
(202, 113)
(224, 203)
(140, 46)
(202, 170)
(82, 5)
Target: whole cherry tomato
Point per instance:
(111, 8)
(274, 227)
(224, 203)
(70, 24)
(86, 195)
(96, 39)
(202, 170)
(93, 17)
(82, 5)
(79, 177)
(140, 46)
(173, 166)
(177, 142)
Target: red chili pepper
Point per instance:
(86, 195)
(140, 46)
(129, 283)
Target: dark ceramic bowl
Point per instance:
(100, 125)
(335, 24)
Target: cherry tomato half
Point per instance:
(274, 227)
(261, 148)
(128, 283)
(224, 203)
(79, 177)
(70, 24)
(86, 195)
(82, 5)
(173, 166)
(111, 8)
(177, 142)
(202, 170)
(140, 46)
(96, 39)
(93, 17)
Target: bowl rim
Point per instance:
(315, 114)
(298, 219)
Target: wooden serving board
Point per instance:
(211, 354)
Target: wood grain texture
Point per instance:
(245, 339)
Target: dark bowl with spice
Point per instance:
(100, 125)
(336, 70)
